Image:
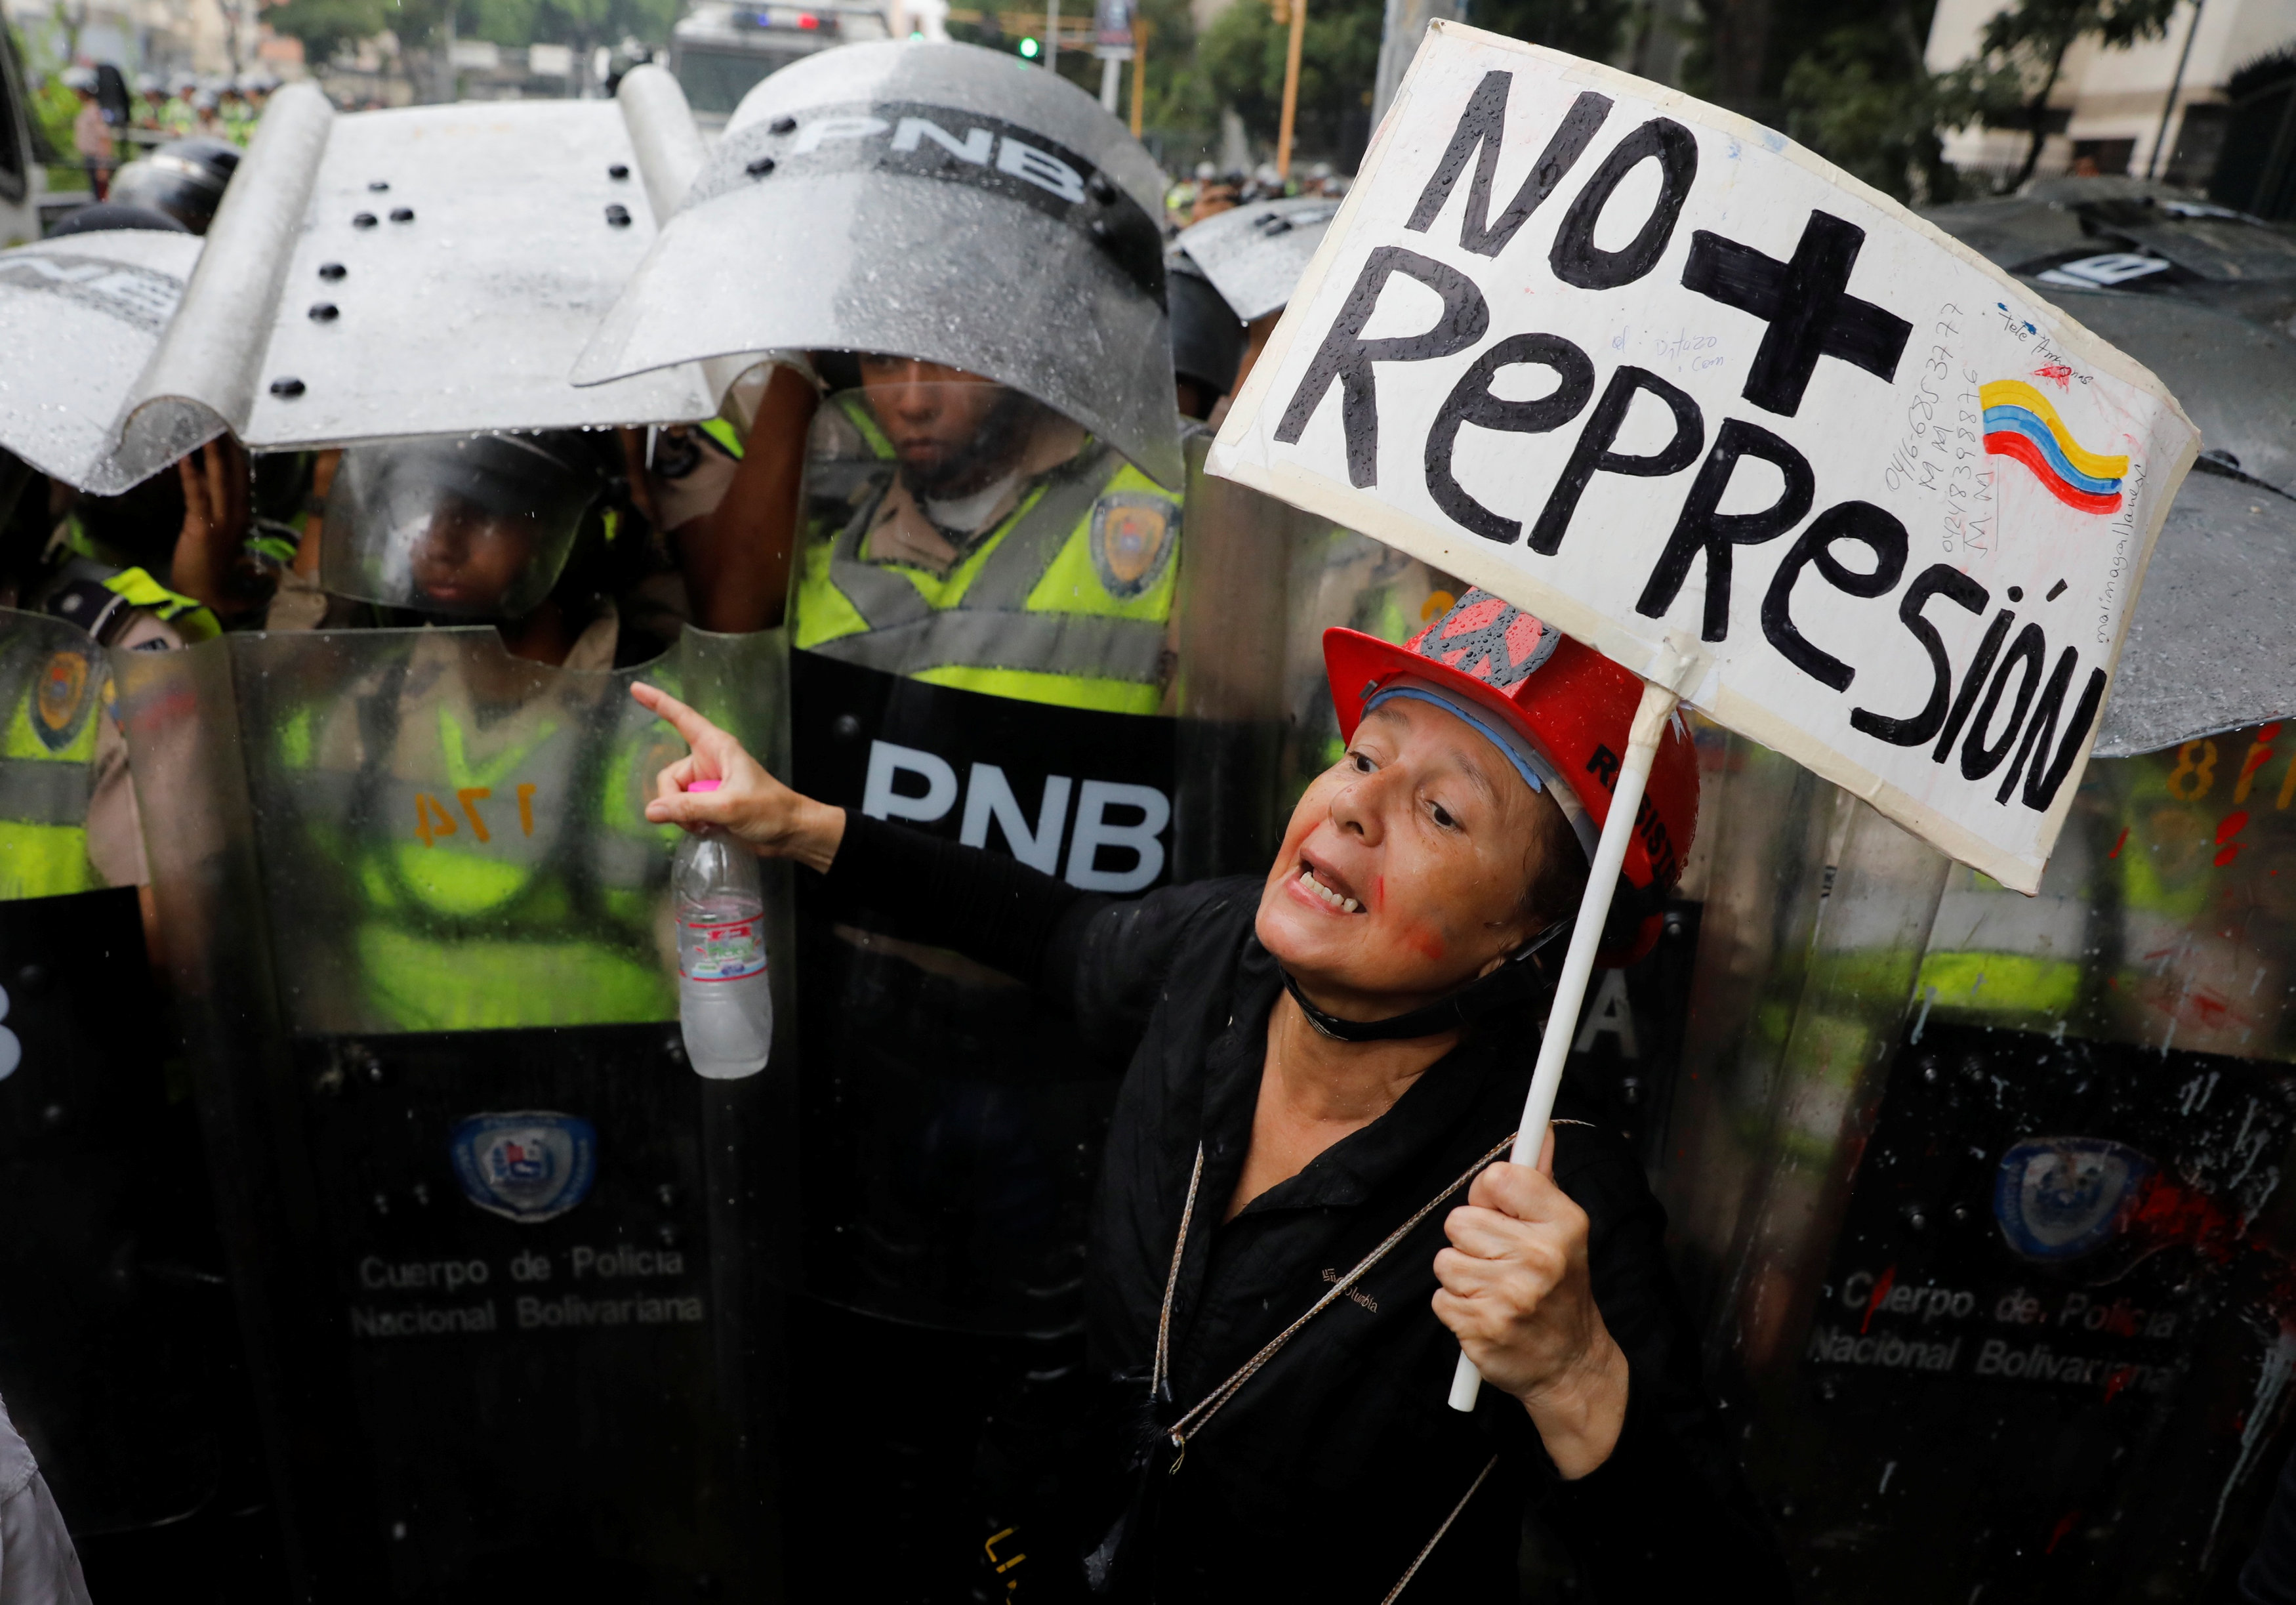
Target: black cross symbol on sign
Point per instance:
(1807, 304)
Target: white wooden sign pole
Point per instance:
(1651, 715)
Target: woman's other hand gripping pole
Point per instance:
(1651, 714)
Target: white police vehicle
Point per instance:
(720, 51)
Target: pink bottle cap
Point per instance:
(703, 785)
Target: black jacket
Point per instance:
(1328, 1472)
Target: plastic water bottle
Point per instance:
(725, 996)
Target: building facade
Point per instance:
(2157, 110)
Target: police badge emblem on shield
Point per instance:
(527, 1166)
(1132, 540)
(61, 702)
(2059, 1198)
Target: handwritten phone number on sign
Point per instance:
(433, 819)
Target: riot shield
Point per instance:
(1254, 255)
(1984, 1191)
(417, 270)
(117, 1353)
(495, 1242)
(931, 201)
(79, 318)
(967, 1120)
(951, 1126)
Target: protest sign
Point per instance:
(1737, 420)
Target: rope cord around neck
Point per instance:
(1193, 1422)
(1190, 1424)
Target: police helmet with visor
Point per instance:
(928, 201)
(186, 178)
(1207, 336)
(467, 527)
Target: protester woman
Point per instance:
(1325, 1066)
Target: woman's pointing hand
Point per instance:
(774, 822)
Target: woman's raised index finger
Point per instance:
(683, 719)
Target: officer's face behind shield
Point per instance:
(468, 528)
(954, 433)
(470, 558)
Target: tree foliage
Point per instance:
(583, 23)
(329, 28)
(1863, 96)
(1584, 27)
(1178, 112)
(2021, 54)
(1241, 60)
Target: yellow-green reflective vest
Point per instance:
(545, 922)
(723, 431)
(47, 753)
(2172, 889)
(131, 587)
(1065, 602)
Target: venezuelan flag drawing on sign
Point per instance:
(2020, 424)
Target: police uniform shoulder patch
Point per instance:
(1133, 534)
(528, 1165)
(63, 698)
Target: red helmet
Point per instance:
(1571, 705)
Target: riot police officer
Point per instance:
(1207, 337)
(1008, 552)
(467, 530)
(527, 531)
(991, 580)
(1251, 258)
(108, 568)
(465, 910)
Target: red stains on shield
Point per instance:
(2169, 1215)
(2189, 1003)
(1882, 1285)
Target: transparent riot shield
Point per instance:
(497, 1245)
(1984, 1192)
(118, 1351)
(80, 317)
(857, 190)
(1098, 694)
(1255, 255)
